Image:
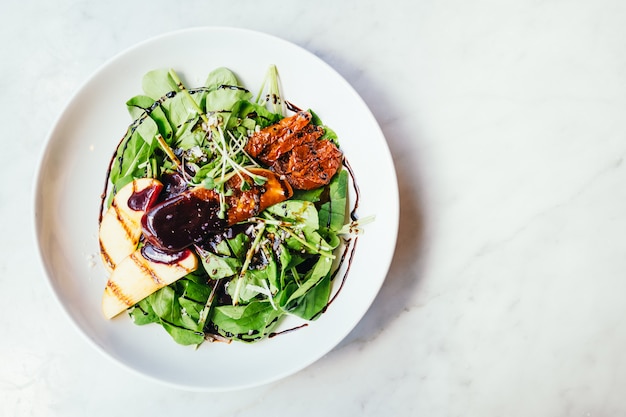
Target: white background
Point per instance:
(506, 123)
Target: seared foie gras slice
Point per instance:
(245, 204)
(120, 228)
(293, 149)
(310, 165)
(194, 215)
(272, 142)
(138, 276)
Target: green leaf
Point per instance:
(246, 321)
(332, 214)
(218, 266)
(140, 106)
(272, 270)
(329, 134)
(301, 212)
(224, 98)
(178, 315)
(191, 312)
(313, 277)
(131, 160)
(191, 134)
(143, 314)
(313, 196)
(181, 113)
(182, 335)
(314, 301)
(224, 91)
(157, 83)
(249, 115)
(220, 76)
(164, 304)
(195, 288)
(239, 245)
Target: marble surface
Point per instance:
(506, 123)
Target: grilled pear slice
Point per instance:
(137, 276)
(120, 228)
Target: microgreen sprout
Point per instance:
(260, 228)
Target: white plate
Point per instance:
(71, 178)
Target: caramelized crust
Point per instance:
(310, 165)
(292, 148)
(275, 135)
(245, 204)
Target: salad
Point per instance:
(223, 212)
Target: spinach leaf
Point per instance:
(158, 83)
(140, 106)
(302, 213)
(218, 266)
(143, 313)
(239, 245)
(190, 134)
(182, 335)
(329, 134)
(313, 196)
(224, 98)
(246, 322)
(220, 76)
(313, 302)
(320, 270)
(332, 214)
(176, 308)
(248, 115)
(132, 157)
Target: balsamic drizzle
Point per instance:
(274, 334)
